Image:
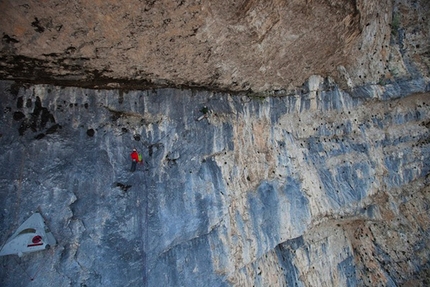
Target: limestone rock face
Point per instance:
(230, 45)
(285, 143)
(323, 188)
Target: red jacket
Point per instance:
(134, 156)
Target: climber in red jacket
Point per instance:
(134, 159)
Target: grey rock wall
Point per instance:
(318, 188)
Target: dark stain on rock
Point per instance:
(38, 119)
(53, 129)
(40, 136)
(153, 148)
(121, 97)
(38, 27)
(170, 161)
(115, 115)
(46, 117)
(149, 5)
(70, 50)
(9, 40)
(14, 89)
(40, 71)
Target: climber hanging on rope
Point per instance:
(135, 158)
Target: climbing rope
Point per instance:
(31, 278)
(19, 189)
(18, 201)
(145, 246)
(143, 232)
(17, 211)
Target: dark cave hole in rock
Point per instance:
(90, 132)
(122, 186)
(20, 103)
(18, 116)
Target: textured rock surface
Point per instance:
(230, 45)
(322, 188)
(293, 179)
